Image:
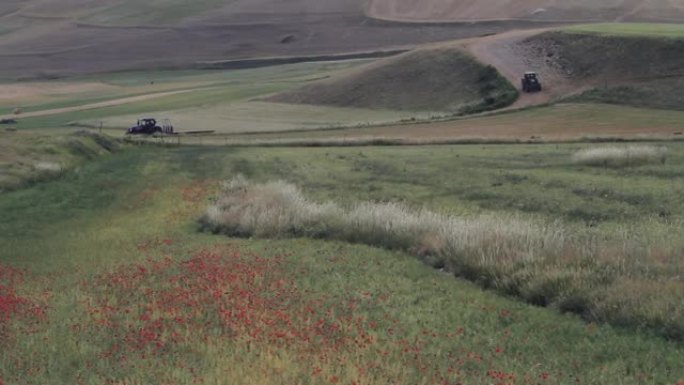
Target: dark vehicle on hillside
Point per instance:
(148, 126)
(530, 82)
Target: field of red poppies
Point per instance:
(149, 317)
(226, 313)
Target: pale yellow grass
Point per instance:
(625, 156)
(546, 263)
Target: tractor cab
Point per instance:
(530, 82)
(147, 122)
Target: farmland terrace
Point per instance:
(49, 39)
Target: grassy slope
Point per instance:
(434, 79)
(630, 64)
(143, 204)
(582, 55)
(29, 158)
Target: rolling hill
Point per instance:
(45, 39)
(635, 66)
(431, 79)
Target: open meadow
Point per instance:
(108, 267)
(405, 219)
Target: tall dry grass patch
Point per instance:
(545, 263)
(614, 156)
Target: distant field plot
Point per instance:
(96, 98)
(119, 13)
(150, 13)
(571, 10)
(637, 29)
(248, 117)
(558, 122)
(76, 37)
(45, 95)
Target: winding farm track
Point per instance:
(508, 56)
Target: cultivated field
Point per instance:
(45, 39)
(632, 29)
(560, 122)
(227, 102)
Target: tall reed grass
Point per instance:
(600, 276)
(613, 156)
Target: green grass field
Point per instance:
(110, 274)
(224, 101)
(559, 122)
(94, 267)
(27, 159)
(633, 29)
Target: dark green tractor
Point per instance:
(530, 82)
(148, 126)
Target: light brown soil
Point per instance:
(37, 44)
(568, 10)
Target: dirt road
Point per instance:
(511, 59)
